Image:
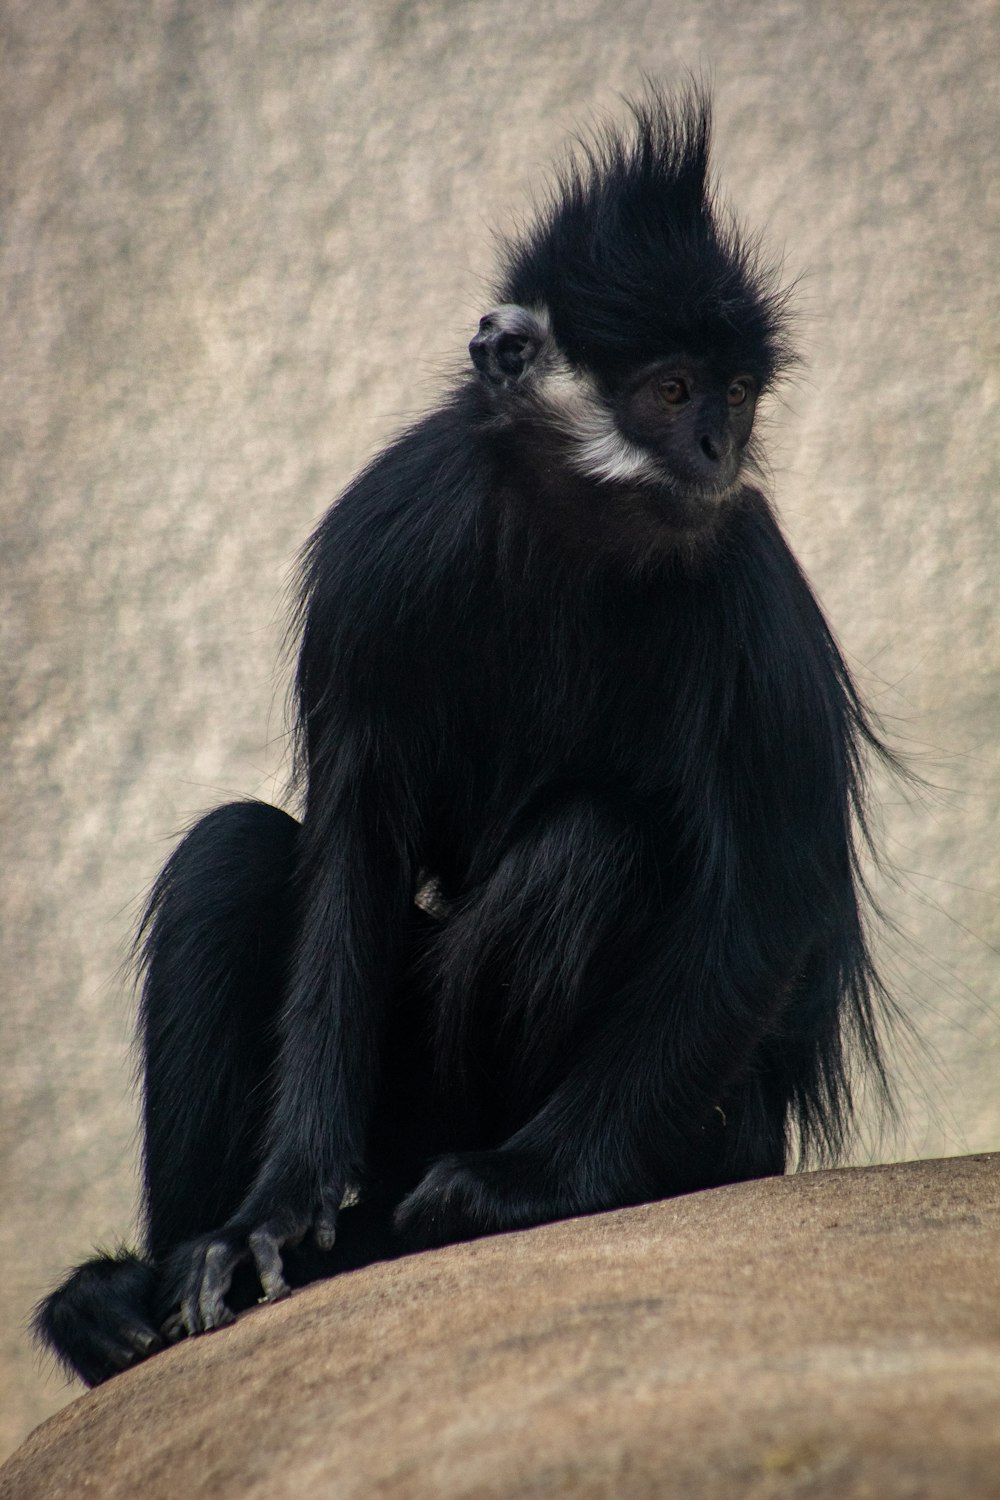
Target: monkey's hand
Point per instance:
(203, 1269)
(481, 1192)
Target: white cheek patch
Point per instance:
(597, 448)
(602, 452)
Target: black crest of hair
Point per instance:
(572, 915)
(632, 255)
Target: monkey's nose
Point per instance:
(711, 448)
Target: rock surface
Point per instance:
(834, 1334)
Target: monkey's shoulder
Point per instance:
(393, 559)
(423, 482)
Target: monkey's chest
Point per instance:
(538, 728)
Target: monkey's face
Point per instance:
(667, 442)
(694, 419)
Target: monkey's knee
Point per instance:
(224, 896)
(238, 854)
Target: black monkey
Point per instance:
(573, 916)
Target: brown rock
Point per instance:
(830, 1334)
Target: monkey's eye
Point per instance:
(738, 392)
(674, 390)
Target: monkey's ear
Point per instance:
(507, 343)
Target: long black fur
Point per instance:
(634, 774)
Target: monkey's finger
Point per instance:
(265, 1247)
(204, 1306)
(325, 1225)
(189, 1316)
(110, 1352)
(173, 1329)
(142, 1340)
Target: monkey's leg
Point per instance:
(641, 1027)
(218, 945)
(215, 949)
(215, 941)
(355, 880)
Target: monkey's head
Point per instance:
(637, 322)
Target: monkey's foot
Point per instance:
(476, 1193)
(101, 1320)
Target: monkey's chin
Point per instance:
(693, 508)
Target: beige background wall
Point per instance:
(238, 244)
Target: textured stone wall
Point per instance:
(239, 244)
